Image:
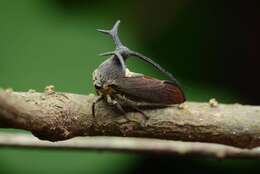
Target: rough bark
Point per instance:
(58, 116)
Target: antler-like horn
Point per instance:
(114, 34)
(122, 52)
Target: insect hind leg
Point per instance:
(128, 103)
(112, 102)
(117, 105)
(140, 111)
(134, 107)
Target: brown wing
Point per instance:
(148, 89)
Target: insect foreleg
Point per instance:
(94, 104)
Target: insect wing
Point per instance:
(148, 89)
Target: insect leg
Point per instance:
(132, 105)
(115, 103)
(94, 104)
(119, 107)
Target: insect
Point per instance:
(118, 86)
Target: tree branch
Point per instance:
(58, 116)
(130, 144)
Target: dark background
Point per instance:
(211, 47)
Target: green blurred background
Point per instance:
(209, 46)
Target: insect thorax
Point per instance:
(108, 71)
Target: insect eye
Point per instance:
(97, 87)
